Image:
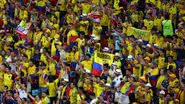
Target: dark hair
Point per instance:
(167, 16)
(88, 55)
(82, 33)
(106, 65)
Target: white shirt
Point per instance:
(117, 80)
(94, 101)
(22, 93)
(62, 55)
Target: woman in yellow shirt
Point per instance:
(160, 79)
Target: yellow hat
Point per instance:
(136, 62)
(143, 78)
(176, 100)
(57, 36)
(172, 75)
(102, 81)
(147, 58)
(183, 18)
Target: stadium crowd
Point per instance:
(48, 50)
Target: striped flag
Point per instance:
(130, 88)
(153, 80)
(97, 66)
(127, 88)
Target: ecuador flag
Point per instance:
(154, 76)
(127, 88)
(97, 66)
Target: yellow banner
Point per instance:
(138, 33)
(107, 58)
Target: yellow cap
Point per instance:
(147, 58)
(143, 78)
(172, 75)
(183, 18)
(57, 36)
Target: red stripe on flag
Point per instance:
(131, 87)
(96, 72)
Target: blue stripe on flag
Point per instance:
(153, 77)
(97, 66)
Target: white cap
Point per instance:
(148, 45)
(140, 40)
(134, 76)
(84, 14)
(96, 38)
(41, 50)
(118, 71)
(156, 45)
(107, 84)
(162, 92)
(105, 49)
(183, 69)
(148, 85)
(117, 54)
(65, 79)
(87, 71)
(130, 57)
(93, 35)
(9, 60)
(114, 64)
(97, 20)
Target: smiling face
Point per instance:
(162, 72)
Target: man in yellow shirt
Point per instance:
(73, 94)
(72, 35)
(81, 42)
(1, 78)
(99, 88)
(87, 63)
(171, 65)
(23, 14)
(52, 67)
(45, 99)
(52, 89)
(84, 24)
(41, 6)
(31, 69)
(43, 74)
(97, 29)
(8, 82)
(86, 7)
(37, 36)
(2, 3)
(148, 23)
(158, 22)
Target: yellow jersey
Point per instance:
(87, 64)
